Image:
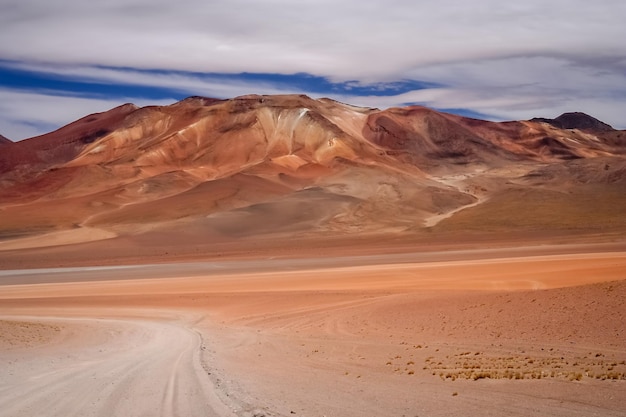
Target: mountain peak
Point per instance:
(577, 120)
(200, 100)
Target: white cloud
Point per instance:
(366, 40)
(526, 87)
(512, 60)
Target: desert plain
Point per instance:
(514, 335)
(415, 270)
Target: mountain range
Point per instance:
(212, 175)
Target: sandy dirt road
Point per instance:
(108, 367)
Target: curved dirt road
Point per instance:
(112, 368)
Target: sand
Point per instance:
(473, 334)
(108, 367)
(63, 237)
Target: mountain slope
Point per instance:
(60, 146)
(261, 167)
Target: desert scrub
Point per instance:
(466, 365)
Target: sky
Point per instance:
(497, 60)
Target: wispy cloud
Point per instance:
(184, 82)
(528, 86)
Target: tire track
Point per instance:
(147, 368)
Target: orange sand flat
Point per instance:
(516, 336)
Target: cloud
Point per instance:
(507, 60)
(528, 86)
(365, 40)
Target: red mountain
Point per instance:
(290, 167)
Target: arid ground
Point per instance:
(471, 333)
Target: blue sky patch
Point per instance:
(467, 113)
(65, 85)
(17, 78)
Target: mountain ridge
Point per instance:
(258, 166)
